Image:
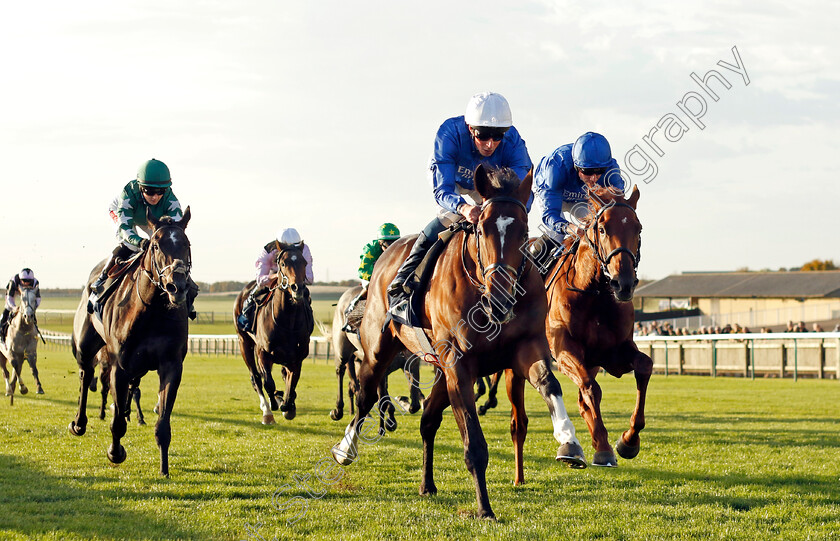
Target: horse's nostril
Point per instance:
(171, 288)
(615, 285)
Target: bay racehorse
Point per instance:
(590, 318)
(484, 311)
(21, 342)
(348, 356)
(143, 327)
(282, 330)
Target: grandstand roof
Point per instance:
(799, 284)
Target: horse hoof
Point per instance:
(39, 391)
(487, 515)
(268, 419)
(75, 429)
(626, 451)
(141, 422)
(414, 409)
(335, 415)
(482, 410)
(118, 457)
(572, 455)
(290, 414)
(24, 390)
(428, 490)
(605, 459)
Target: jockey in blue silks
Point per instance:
(483, 135)
(562, 182)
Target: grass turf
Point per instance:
(721, 458)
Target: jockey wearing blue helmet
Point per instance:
(562, 182)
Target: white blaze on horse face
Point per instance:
(502, 222)
(624, 220)
(564, 430)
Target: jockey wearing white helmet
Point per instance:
(25, 279)
(266, 265)
(484, 135)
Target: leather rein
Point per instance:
(485, 273)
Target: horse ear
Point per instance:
(634, 197)
(185, 219)
(482, 181)
(523, 192)
(154, 222)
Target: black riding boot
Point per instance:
(399, 285)
(544, 251)
(245, 321)
(4, 324)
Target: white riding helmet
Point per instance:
(488, 109)
(288, 236)
(26, 274)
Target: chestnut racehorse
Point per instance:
(590, 318)
(484, 311)
(143, 327)
(282, 330)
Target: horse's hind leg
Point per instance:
(629, 443)
(430, 420)
(340, 367)
(135, 397)
(85, 353)
(481, 389)
(492, 389)
(5, 373)
(17, 364)
(518, 422)
(170, 380)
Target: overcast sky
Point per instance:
(321, 115)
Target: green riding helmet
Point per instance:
(154, 174)
(388, 231)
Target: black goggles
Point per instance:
(153, 191)
(485, 134)
(592, 171)
(27, 283)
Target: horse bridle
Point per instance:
(485, 273)
(283, 281)
(179, 267)
(596, 244)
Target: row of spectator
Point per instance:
(655, 328)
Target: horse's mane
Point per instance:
(503, 180)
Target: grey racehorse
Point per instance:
(21, 341)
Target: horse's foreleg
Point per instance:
(532, 364)
(119, 387)
(387, 421)
(105, 384)
(5, 372)
(628, 445)
(414, 393)
(480, 388)
(32, 359)
(518, 422)
(79, 425)
(17, 364)
(459, 385)
(589, 404)
(170, 380)
(370, 374)
(248, 355)
(492, 389)
(288, 406)
(266, 364)
(430, 420)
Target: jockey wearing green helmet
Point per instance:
(387, 234)
(150, 192)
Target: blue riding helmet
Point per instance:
(591, 151)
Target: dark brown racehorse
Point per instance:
(282, 331)
(590, 319)
(143, 327)
(484, 311)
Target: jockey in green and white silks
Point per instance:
(150, 192)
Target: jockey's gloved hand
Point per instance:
(144, 244)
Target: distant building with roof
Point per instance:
(749, 298)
